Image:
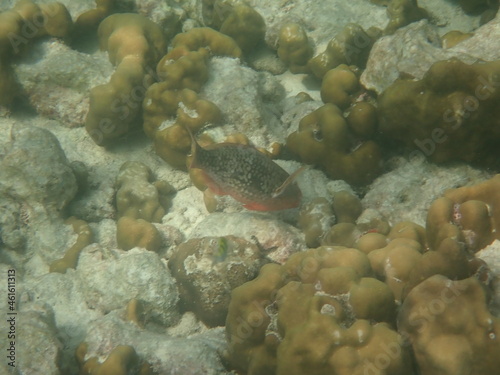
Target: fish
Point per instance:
(247, 175)
(221, 251)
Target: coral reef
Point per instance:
(339, 86)
(122, 360)
(350, 47)
(204, 37)
(447, 115)
(138, 196)
(132, 233)
(393, 273)
(473, 210)
(173, 103)
(316, 218)
(22, 24)
(91, 19)
(402, 13)
(325, 139)
(450, 328)
(134, 45)
(294, 48)
(236, 19)
(167, 112)
(70, 259)
(340, 305)
(411, 51)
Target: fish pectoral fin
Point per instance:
(279, 190)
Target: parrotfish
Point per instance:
(247, 175)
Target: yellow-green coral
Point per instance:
(236, 19)
(19, 26)
(315, 219)
(168, 112)
(294, 48)
(473, 211)
(450, 328)
(122, 360)
(324, 139)
(352, 47)
(47, 19)
(70, 259)
(137, 196)
(402, 13)
(183, 69)
(132, 233)
(339, 85)
(312, 313)
(216, 43)
(134, 45)
(91, 19)
(450, 114)
(245, 25)
(452, 38)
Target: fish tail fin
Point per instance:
(194, 147)
(289, 180)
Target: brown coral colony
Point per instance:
(359, 293)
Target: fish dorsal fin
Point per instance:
(279, 190)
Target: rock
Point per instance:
(275, 237)
(37, 345)
(37, 182)
(57, 79)
(249, 104)
(199, 354)
(491, 255)
(63, 294)
(111, 278)
(413, 49)
(406, 192)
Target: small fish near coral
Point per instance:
(247, 175)
(221, 251)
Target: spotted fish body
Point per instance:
(247, 175)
